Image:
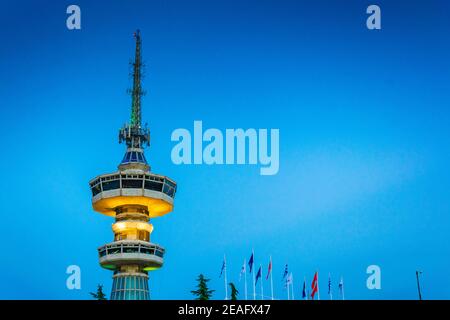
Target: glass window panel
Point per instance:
(166, 189)
(133, 157)
(152, 185)
(96, 190)
(138, 282)
(129, 183)
(111, 185)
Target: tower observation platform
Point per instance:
(132, 195)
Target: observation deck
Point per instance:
(155, 192)
(131, 252)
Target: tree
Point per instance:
(99, 295)
(234, 291)
(202, 292)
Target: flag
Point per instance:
(341, 288)
(329, 283)
(242, 271)
(304, 295)
(288, 280)
(285, 272)
(258, 275)
(314, 286)
(329, 287)
(250, 263)
(223, 267)
(269, 269)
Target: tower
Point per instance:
(132, 196)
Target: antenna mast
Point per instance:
(133, 134)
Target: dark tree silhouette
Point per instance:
(234, 291)
(99, 295)
(202, 292)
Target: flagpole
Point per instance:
(245, 277)
(287, 287)
(304, 289)
(262, 282)
(225, 278)
(253, 276)
(292, 285)
(342, 288)
(271, 280)
(318, 291)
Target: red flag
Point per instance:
(314, 286)
(269, 270)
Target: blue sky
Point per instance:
(364, 140)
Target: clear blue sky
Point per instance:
(364, 125)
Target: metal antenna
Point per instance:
(136, 93)
(133, 134)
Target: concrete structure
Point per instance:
(132, 195)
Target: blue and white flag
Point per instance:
(250, 263)
(285, 272)
(329, 287)
(341, 288)
(258, 275)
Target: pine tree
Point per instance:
(202, 292)
(234, 291)
(99, 295)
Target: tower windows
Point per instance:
(130, 287)
(111, 185)
(96, 190)
(153, 185)
(129, 183)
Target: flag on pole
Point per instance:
(223, 267)
(330, 294)
(314, 286)
(304, 294)
(288, 281)
(258, 275)
(341, 288)
(269, 269)
(242, 271)
(285, 272)
(250, 263)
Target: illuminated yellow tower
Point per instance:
(132, 196)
